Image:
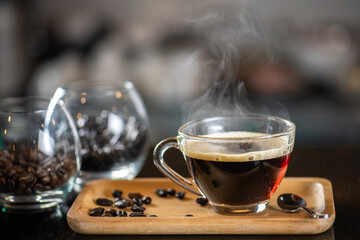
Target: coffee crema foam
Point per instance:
(258, 149)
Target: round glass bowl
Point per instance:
(39, 153)
(112, 123)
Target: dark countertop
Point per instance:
(339, 164)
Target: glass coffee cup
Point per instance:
(235, 162)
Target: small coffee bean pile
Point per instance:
(102, 148)
(134, 202)
(27, 171)
(161, 192)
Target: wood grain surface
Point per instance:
(171, 211)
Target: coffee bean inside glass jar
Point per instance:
(28, 170)
(102, 146)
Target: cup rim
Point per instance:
(267, 136)
(26, 98)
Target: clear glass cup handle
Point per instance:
(160, 163)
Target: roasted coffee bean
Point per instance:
(146, 200)
(54, 179)
(117, 194)
(121, 213)
(122, 203)
(161, 192)
(68, 163)
(111, 211)
(24, 177)
(137, 201)
(45, 180)
(135, 195)
(202, 201)
(171, 191)
(180, 195)
(151, 215)
(137, 209)
(188, 215)
(5, 163)
(97, 212)
(30, 170)
(33, 182)
(103, 202)
(41, 173)
(137, 214)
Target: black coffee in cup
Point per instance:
(244, 174)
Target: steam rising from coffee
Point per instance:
(233, 41)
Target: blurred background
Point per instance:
(315, 74)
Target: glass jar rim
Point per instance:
(288, 131)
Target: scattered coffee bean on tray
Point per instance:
(122, 203)
(137, 209)
(97, 212)
(134, 203)
(171, 191)
(135, 195)
(180, 195)
(121, 213)
(137, 214)
(117, 194)
(146, 200)
(161, 192)
(103, 202)
(137, 201)
(111, 211)
(202, 201)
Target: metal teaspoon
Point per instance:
(292, 203)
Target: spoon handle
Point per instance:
(314, 214)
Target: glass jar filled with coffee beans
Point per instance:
(39, 153)
(112, 123)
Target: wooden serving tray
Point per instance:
(171, 211)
